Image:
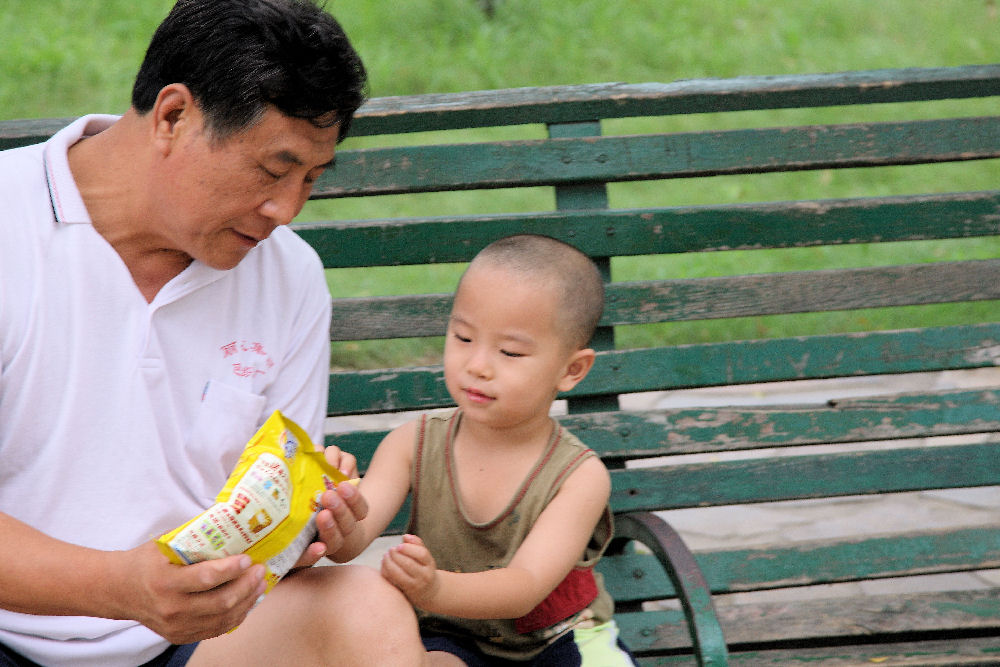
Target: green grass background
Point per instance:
(62, 58)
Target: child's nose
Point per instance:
(479, 364)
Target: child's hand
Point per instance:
(343, 461)
(410, 567)
(341, 510)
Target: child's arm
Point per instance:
(554, 545)
(384, 486)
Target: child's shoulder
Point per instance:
(589, 480)
(400, 438)
(404, 430)
(571, 440)
(429, 420)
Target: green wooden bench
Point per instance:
(586, 144)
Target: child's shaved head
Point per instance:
(572, 273)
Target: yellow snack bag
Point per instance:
(267, 509)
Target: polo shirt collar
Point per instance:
(67, 204)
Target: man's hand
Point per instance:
(410, 567)
(188, 603)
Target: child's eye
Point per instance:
(462, 338)
(508, 353)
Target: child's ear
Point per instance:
(579, 364)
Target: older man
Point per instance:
(154, 310)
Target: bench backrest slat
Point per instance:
(704, 365)
(568, 104)
(805, 358)
(780, 478)
(648, 302)
(678, 431)
(650, 231)
(409, 169)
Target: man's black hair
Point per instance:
(239, 56)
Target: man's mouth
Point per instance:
(251, 241)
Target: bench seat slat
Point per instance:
(679, 300)
(639, 577)
(380, 171)
(771, 479)
(664, 230)
(970, 651)
(750, 625)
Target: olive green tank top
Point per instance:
(461, 545)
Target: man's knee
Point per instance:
(319, 611)
(356, 587)
(336, 579)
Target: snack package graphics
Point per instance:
(268, 507)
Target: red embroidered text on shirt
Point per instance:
(248, 366)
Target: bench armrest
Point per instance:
(687, 578)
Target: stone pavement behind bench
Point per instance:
(789, 522)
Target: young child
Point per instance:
(510, 511)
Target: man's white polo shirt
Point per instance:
(121, 419)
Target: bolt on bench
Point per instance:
(874, 445)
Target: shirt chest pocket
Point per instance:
(225, 420)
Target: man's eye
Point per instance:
(313, 177)
(270, 174)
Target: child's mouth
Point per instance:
(477, 396)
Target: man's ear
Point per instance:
(579, 364)
(173, 111)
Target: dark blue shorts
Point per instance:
(601, 645)
(175, 656)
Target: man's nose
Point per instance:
(285, 202)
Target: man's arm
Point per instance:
(42, 575)
(552, 548)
